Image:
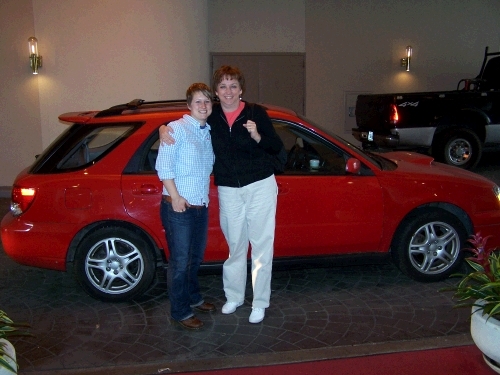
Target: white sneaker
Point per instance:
(230, 307)
(257, 315)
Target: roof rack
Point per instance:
(138, 104)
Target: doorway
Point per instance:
(273, 78)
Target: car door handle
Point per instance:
(146, 189)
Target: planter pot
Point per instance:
(9, 349)
(486, 335)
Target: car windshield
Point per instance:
(377, 159)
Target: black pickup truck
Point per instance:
(453, 126)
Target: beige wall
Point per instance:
(98, 53)
(257, 25)
(357, 45)
(20, 126)
(95, 54)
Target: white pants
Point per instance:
(248, 215)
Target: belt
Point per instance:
(168, 198)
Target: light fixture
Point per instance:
(405, 61)
(35, 58)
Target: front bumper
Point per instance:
(488, 224)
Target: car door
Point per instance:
(324, 210)
(142, 192)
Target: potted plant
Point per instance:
(480, 290)
(8, 328)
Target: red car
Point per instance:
(90, 203)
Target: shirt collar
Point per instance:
(195, 123)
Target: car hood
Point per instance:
(418, 163)
(411, 157)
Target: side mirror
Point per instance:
(353, 166)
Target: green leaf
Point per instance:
(5, 364)
(495, 310)
(3, 360)
(476, 266)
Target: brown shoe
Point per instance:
(190, 323)
(205, 307)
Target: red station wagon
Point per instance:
(90, 203)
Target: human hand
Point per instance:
(165, 137)
(252, 129)
(179, 204)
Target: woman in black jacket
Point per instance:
(243, 139)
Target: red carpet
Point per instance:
(462, 360)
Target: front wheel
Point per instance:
(426, 246)
(114, 264)
(461, 149)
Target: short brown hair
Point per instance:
(197, 87)
(228, 71)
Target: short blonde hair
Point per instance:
(197, 87)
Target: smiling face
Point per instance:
(201, 107)
(229, 90)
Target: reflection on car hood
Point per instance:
(411, 157)
(426, 164)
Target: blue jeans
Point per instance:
(186, 234)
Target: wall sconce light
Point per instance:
(35, 58)
(405, 61)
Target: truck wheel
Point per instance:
(427, 245)
(462, 149)
(114, 264)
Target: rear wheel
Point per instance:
(114, 264)
(461, 148)
(427, 245)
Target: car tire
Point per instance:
(427, 245)
(461, 148)
(114, 264)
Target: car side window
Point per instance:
(149, 161)
(92, 146)
(302, 147)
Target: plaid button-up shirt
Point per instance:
(188, 161)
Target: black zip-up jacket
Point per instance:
(239, 160)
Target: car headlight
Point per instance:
(496, 191)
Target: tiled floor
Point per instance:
(314, 314)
